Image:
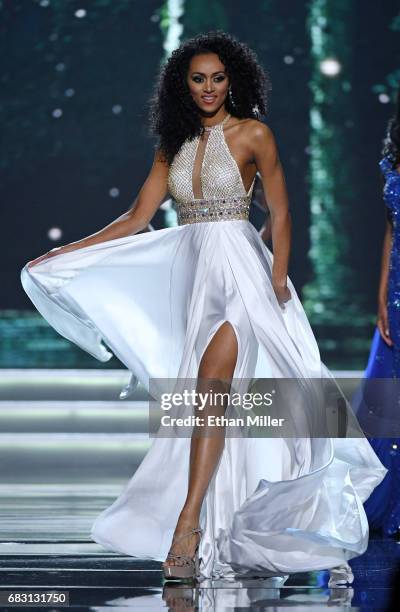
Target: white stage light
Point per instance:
(330, 66)
(288, 59)
(54, 233)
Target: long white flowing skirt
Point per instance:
(273, 505)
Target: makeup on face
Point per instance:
(208, 81)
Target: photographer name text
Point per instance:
(222, 421)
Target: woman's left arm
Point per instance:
(269, 166)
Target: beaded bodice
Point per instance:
(205, 181)
(391, 190)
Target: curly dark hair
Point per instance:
(391, 142)
(175, 117)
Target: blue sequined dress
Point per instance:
(383, 506)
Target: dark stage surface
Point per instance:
(95, 578)
(67, 446)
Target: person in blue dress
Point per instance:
(383, 506)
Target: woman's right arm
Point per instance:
(383, 321)
(134, 220)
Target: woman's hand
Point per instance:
(282, 293)
(383, 320)
(383, 323)
(52, 253)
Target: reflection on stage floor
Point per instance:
(67, 446)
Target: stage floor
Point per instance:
(94, 578)
(67, 446)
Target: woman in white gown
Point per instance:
(206, 299)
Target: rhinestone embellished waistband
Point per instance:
(216, 209)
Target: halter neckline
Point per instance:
(208, 128)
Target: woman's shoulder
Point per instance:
(252, 125)
(255, 131)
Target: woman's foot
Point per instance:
(184, 546)
(340, 576)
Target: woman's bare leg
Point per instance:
(218, 363)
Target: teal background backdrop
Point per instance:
(76, 78)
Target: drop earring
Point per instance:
(230, 96)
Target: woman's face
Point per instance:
(208, 82)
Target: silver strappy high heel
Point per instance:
(340, 576)
(190, 566)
